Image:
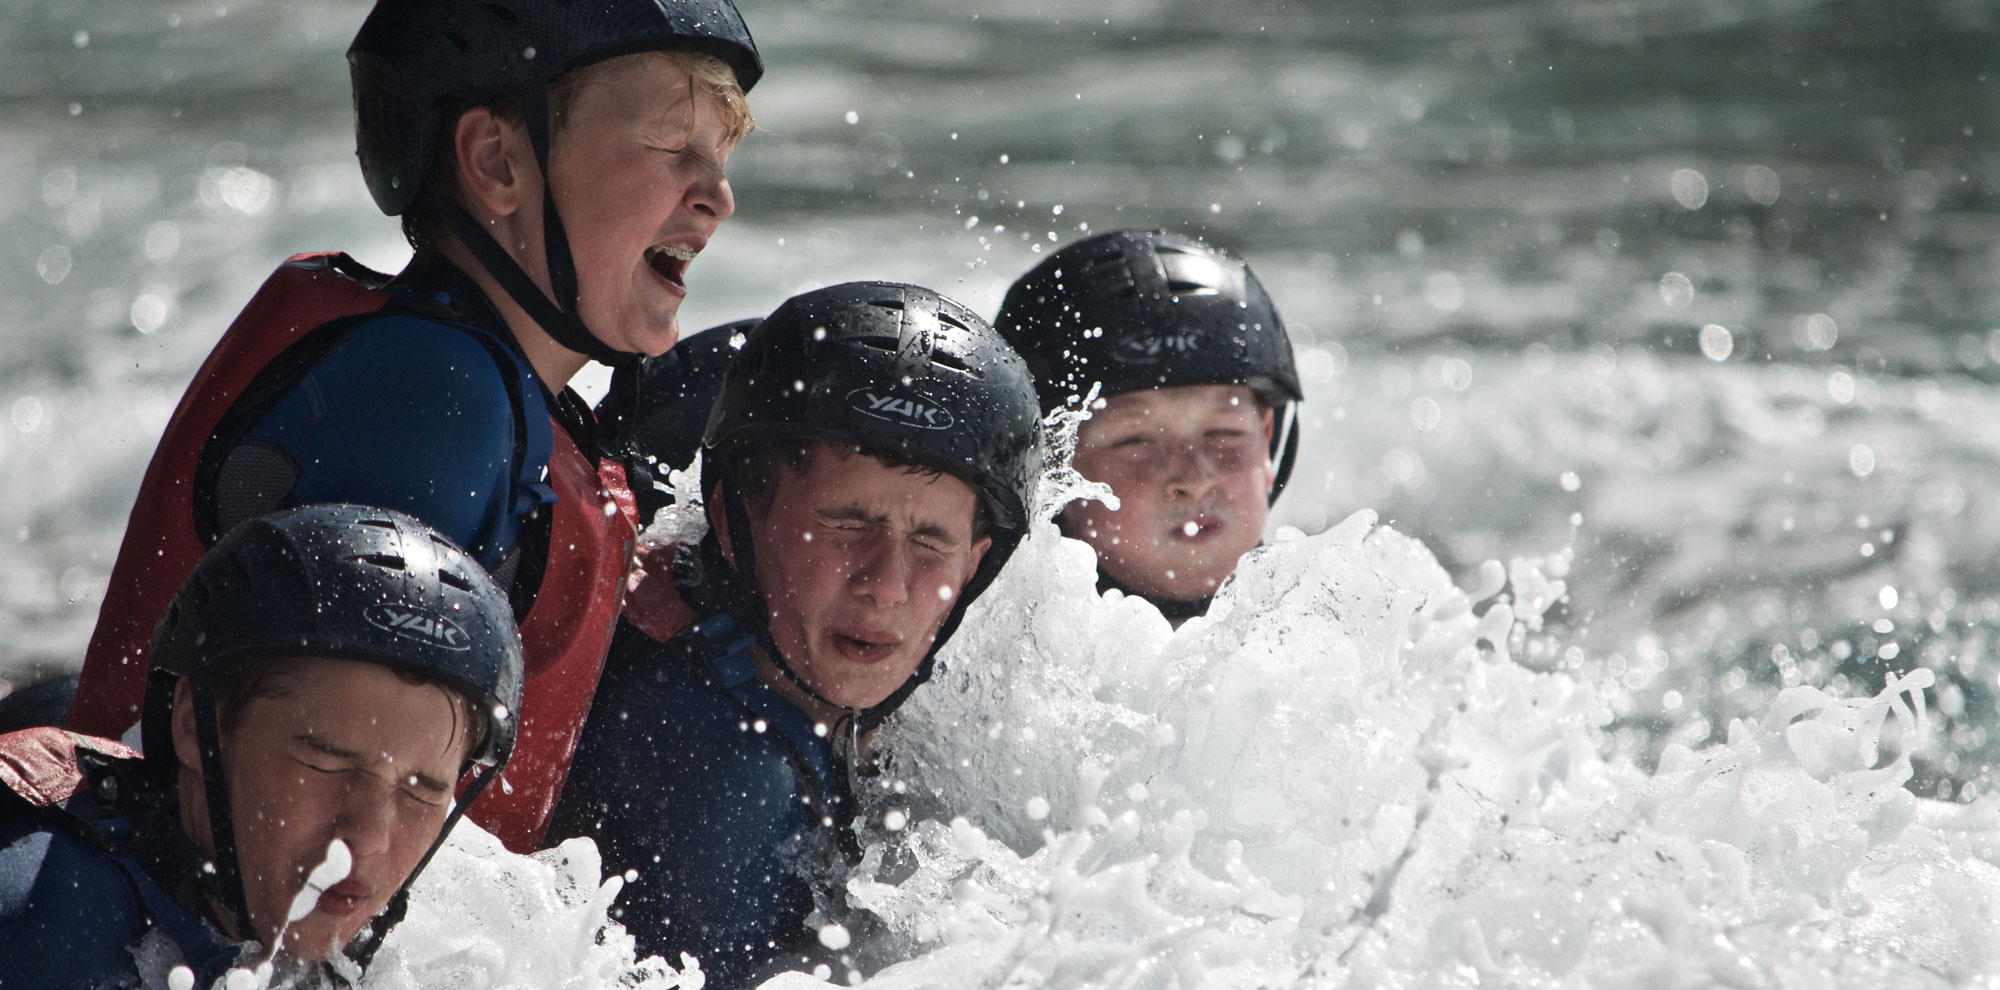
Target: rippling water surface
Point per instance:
(1708, 290)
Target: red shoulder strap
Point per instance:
(40, 764)
(564, 638)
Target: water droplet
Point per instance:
(54, 265)
(1689, 188)
(1716, 342)
(1676, 290)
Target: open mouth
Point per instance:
(865, 647)
(344, 898)
(671, 261)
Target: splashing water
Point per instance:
(481, 916)
(339, 862)
(683, 522)
(1341, 776)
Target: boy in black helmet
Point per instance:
(1193, 426)
(320, 686)
(557, 167)
(869, 464)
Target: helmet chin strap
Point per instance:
(225, 885)
(1286, 446)
(555, 316)
(363, 951)
(742, 545)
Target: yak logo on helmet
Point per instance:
(1151, 348)
(417, 624)
(886, 405)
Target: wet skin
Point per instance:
(860, 563)
(1192, 470)
(340, 750)
(639, 167)
(637, 171)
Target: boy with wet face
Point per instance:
(320, 687)
(1193, 425)
(557, 167)
(869, 463)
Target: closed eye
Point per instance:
(425, 793)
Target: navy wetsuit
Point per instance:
(81, 885)
(716, 791)
(426, 408)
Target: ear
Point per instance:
(187, 744)
(979, 548)
(496, 164)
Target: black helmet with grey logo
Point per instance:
(896, 368)
(1139, 309)
(342, 582)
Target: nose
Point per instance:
(1191, 471)
(368, 818)
(882, 574)
(711, 196)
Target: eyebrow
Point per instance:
(861, 514)
(421, 779)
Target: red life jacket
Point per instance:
(564, 636)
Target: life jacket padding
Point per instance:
(39, 765)
(564, 635)
(567, 633)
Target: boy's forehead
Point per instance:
(1180, 399)
(645, 81)
(839, 477)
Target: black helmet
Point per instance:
(1134, 309)
(410, 55)
(897, 368)
(654, 412)
(342, 582)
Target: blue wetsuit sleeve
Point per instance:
(710, 816)
(68, 917)
(407, 414)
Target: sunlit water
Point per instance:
(1701, 295)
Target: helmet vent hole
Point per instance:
(458, 41)
(455, 579)
(377, 523)
(386, 561)
(501, 14)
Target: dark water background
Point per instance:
(1499, 230)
